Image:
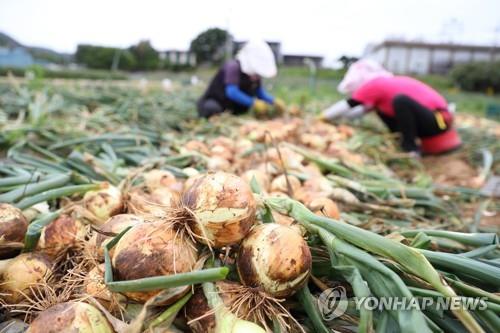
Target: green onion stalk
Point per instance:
(411, 260)
(55, 193)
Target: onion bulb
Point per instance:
(165, 196)
(190, 172)
(114, 225)
(60, 235)
(318, 184)
(279, 184)
(223, 141)
(285, 157)
(94, 286)
(71, 317)
(260, 176)
(198, 146)
(157, 178)
(13, 226)
(217, 163)
(314, 141)
(23, 273)
(222, 151)
(275, 258)
(103, 203)
(324, 207)
(222, 206)
(152, 249)
(157, 203)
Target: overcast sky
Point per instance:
(328, 28)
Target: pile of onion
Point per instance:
(153, 249)
(22, 274)
(276, 258)
(61, 235)
(103, 203)
(70, 317)
(221, 208)
(13, 226)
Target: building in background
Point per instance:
(179, 58)
(17, 57)
(406, 57)
(295, 60)
(299, 60)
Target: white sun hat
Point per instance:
(257, 58)
(359, 73)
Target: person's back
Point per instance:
(404, 104)
(380, 92)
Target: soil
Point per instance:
(451, 170)
(454, 170)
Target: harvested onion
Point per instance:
(70, 317)
(61, 235)
(324, 207)
(217, 163)
(13, 226)
(222, 206)
(157, 178)
(157, 203)
(103, 203)
(152, 249)
(94, 286)
(113, 226)
(22, 274)
(260, 176)
(280, 183)
(275, 258)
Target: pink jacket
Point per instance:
(379, 93)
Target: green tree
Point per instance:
(99, 57)
(208, 46)
(147, 58)
(477, 76)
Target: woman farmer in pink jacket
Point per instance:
(406, 105)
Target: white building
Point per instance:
(428, 58)
(179, 57)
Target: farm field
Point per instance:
(120, 211)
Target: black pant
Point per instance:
(412, 120)
(208, 107)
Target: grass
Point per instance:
(293, 84)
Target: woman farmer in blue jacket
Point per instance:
(237, 85)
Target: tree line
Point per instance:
(208, 47)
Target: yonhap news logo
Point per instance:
(333, 303)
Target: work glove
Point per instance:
(321, 117)
(260, 107)
(337, 110)
(279, 106)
